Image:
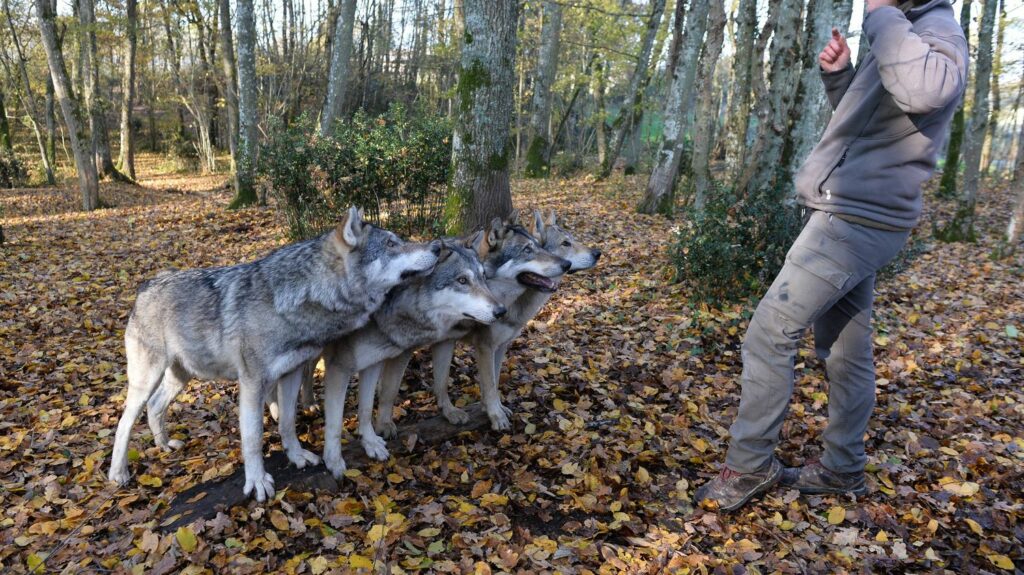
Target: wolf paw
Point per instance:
(119, 476)
(386, 429)
(170, 445)
(301, 457)
(455, 415)
(500, 418)
(337, 466)
(375, 447)
(261, 487)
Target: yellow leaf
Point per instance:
(377, 532)
(481, 568)
(836, 515)
(278, 520)
(1002, 561)
(429, 532)
(974, 526)
(359, 562)
(881, 537)
(643, 476)
(318, 565)
(186, 539)
(559, 404)
(34, 561)
(395, 478)
(150, 481)
(493, 499)
(700, 445)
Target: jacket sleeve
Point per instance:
(924, 69)
(836, 83)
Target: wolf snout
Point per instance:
(596, 253)
(566, 264)
(500, 311)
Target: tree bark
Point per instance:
(997, 70)
(961, 227)
(480, 189)
(537, 154)
(230, 80)
(811, 111)
(738, 122)
(707, 106)
(5, 128)
(127, 152)
(245, 172)
(599, 117)
(632, 106)
(93, 99)
(947, 185)
(764, 164)
(73, 119)
(660, 194)
(29, 100)
(338, 75)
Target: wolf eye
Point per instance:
(463, 280)
(391, 243)
(567, 243)
(528, 250)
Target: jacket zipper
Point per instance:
(842, 159)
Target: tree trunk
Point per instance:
(537, 155)
(811, 111)
(707, 106)
(93, 99)
(29, 100)
(742, 68)
(245, 172)
(660, 194)
(73, 119)
(127, 153)
(764, 166)
(480, 147)
(997, 70)
(339, 74)
(5, 128)
(632, 106)
(230, 81)
(947, 185)
(961, 227)
(599, 117)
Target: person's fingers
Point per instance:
(835, 46)
(830, 53)
(836, 34)
(842, 42)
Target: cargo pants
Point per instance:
(827, 282)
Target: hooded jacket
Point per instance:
(891, 116)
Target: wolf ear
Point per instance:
(475, 242)
(352, 231)
(446, 252)
(538, 223)
(513, 218)
(495, 231)
(551, 218)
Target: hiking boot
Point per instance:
(816, 479)
(731, 489)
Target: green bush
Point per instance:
(182, 152)
(12, 170)
(395, 166)
(732, 250)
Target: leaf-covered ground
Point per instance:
(622, 391)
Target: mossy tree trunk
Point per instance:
(660, 194)
(94, 101)
(245, 172)
(481, 147)
(538, 153)
(707, 105)
(632, 107)
(961, 227)
(230, 80)
(5, 128)
(73, 116)
(947, 185)
(127, 152)
(738, 116)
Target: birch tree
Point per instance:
(660, 193)
(73, 117)
(947, 185)
(484, 105)
(230, 78)
(707, 105)
(127, 152)
(961, 227)
(338, 74)
(537, 155)
(245, 172)
(738, 115)
(632, 108)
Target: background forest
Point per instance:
(140, 136)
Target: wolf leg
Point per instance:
(174, 380)
(390, 381)
(498, 413)
(287, 394)
(145, 370)
(373, 445)
(307, 396)
(250, 423)
(442, 354)
(335, 387)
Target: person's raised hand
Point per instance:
(836, 54)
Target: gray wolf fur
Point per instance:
(418, 313)
(259, 323)
(524, 300)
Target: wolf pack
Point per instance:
(359, 297)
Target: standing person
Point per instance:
(861, 186)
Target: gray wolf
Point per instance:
(417, 313)
(863, 183)
(490, 343)
(259, 323)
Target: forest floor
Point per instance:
(622, 392)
